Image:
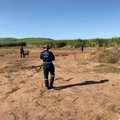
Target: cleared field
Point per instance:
(85, 89)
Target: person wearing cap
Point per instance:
(48, 67)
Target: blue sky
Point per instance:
(60, 19)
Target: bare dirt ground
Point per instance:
(81, 92)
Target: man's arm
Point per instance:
(53, 57)
(41, 56)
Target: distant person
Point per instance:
(82, 47)
(48, 67)
(22, 52)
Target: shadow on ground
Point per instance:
(81, 84)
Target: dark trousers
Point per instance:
(82, 48)
(22, 54)
(48, 68)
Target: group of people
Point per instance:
(48, 67)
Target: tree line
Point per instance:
(74, 43)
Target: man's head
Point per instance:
(46, 47)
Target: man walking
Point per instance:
(48, 67)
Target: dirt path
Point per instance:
(80, 93)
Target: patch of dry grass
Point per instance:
(106, 69)
(106, 56)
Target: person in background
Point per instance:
(82, 47)
(22, 52)
(48, 67)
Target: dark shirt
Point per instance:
(47, 56)
(21, 50)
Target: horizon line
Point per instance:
(60, 39)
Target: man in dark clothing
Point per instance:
(82, 47)
(22, 52)
(48, 67)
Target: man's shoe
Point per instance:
(48, 88)
(51, 86)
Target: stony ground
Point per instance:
(81, 92)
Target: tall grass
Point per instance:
(75, 43)
(12, 44)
